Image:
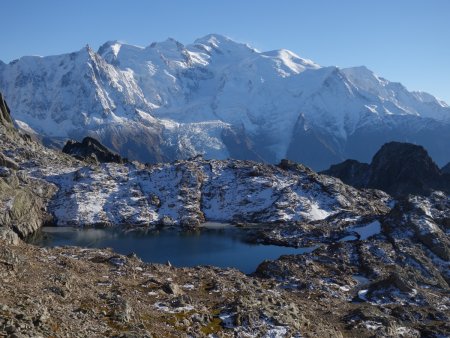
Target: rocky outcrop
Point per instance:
(92, 151)
(9, 236)
(404, 168)
(23, 198)
(397, 168)
(23, 202)
(186, 193)
(427, 219)
(6, 162)
(404, 267)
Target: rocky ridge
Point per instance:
(188, 193)
(91, 150)
(183, 193)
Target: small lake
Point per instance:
(218, 245)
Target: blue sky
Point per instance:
(402, 40)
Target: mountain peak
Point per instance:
(220, 42)
(398, 168)
(213, 39)
(291, 60)
(168, 44)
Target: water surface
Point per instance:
(218, 245)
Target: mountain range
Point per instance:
(221, 99)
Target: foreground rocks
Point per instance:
(85, 293)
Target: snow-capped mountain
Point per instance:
(219, 98)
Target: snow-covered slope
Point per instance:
(188, 193)
(169, 101)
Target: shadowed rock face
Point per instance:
(5, 116)
(350, 171)
(446, 169)
(91, 150)
(397, 168)
(404, 168)
(239, 145)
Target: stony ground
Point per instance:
(67, 292)
(347, 289)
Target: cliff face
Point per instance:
(5, 116)
(23, 202)
(351, 172)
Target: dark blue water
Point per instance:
(218, 246)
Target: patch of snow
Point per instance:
(362, 294)
(361, 280)
(227, 320)
(188, 286)
(368, 230)
(372, 325)
(163, 307)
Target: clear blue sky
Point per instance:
(402, 40)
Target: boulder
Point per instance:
(23, 203)
(9, 236)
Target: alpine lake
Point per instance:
(216, 244)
